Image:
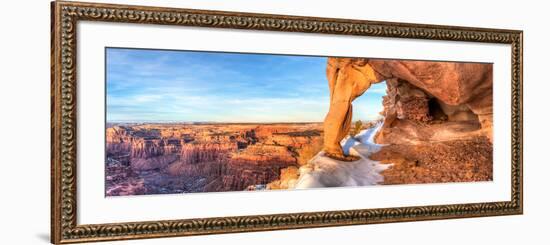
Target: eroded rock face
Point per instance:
(441, 91)
(119, 144)
(147, 154)
(406, 102)
(420, 95)
(198, 158)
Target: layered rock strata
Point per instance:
(419, 93)
(199, 158)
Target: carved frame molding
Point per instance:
(65, 16)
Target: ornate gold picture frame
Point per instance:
(64, 107)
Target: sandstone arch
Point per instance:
(457, 90)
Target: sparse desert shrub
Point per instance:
(358, 126)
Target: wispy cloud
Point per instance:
(154, 85)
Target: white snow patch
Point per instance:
(322, 171)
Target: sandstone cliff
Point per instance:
(435, 100)
(198, 158)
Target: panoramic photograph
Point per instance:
(201, 121)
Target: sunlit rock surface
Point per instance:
(179, 158)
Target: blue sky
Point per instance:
(162, 85)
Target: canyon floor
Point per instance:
(187, 158)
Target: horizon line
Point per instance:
(202, 122)
(215, 122)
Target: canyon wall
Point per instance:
(204, 158)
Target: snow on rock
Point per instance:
(322, 171)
